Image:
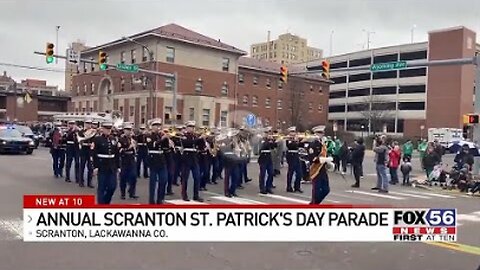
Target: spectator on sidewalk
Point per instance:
(394, 157)
(422, 149)
(406, 168)
(407, 149)
(381, 159)
(430, 160)
(357, 160)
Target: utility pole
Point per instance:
(412, 31)
(331, 43)
(476, 127)
(174, 100)
(368, 37)
(56, 43)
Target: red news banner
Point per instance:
(77, 218)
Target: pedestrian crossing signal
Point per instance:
(326, 69)
(473, 119)
(102, 60)
(283, 74)
(49, 52)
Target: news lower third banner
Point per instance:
(76, 218)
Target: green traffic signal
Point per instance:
(50, 59)
(103, 66)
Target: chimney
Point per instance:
(4, 73)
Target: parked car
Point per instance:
(27, 132)
(12, 140)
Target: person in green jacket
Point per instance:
(407, 149)
(422, 148)
(330, 147)
(336, 153)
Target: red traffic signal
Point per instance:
(473, 119)
(283, 74)
(326, 69)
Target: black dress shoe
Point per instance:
(228, 195)
(269, 192)
(91, 186)
(81, 185)
(263, 192)
(240, 187)
(289, 189)
(248, 180)
(375, 188)
(123, 197)
(298, 190)
(170, 193)
(198, 199)
(68, 180)
(186, 199)
(176, 184)
(203, 189)
(134, 197)
(355, 185)
(235, 195)
(273, 186)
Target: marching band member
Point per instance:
(190, 144)
(320, 164)
(204, 159)
(177, 141)
(230, 161)
(266, 163)
(156, 141)
(106, 162)
(293, 161)
(72, 152)
(85, 155)
(169, 158)
(126, 145)
(142, 151)
(57, 149)
(246, 149)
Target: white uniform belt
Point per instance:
(86, 144)
(70, 142)
(155, 152)
(266, 151)
(229, 153)
(140, 144)
(292, 151)
(189, 150)
(105, 156)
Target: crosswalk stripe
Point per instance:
(476, 213)
(375, 194)
(236, 200)
(433, 194)
(284, 198)
(182, 202)
(409, 195)
(307, 197)
(350, 197)
(468, 217)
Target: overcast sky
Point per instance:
(26, 25)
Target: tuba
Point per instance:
(88, 134)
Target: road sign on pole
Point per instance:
(127, 68)
(73, 57)
(251, 120)
(388, 66)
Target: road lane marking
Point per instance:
(307, 197)
(284, 198)
(409, 195)
(236, 200)
(457, 247)
(433, 194)
(380, 195)
(13, 227)
(468, 217)
(350, 197)
(182, 202)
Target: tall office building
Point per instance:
(287, 49)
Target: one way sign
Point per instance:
(73, 57)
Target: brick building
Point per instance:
(207, 91)
(45, 102)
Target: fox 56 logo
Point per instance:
(425, 217)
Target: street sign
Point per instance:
(73, 57)
(251, 120)
(127, 68)
(335, 127)
(388, 66)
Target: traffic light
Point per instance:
(102, 60)
(326, 69)
(473, 119)
(283, 74)
(49, 53)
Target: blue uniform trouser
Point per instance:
(178, 167)
(107, 183)
(85, 162)
(128, 176)
(158, 184)
(242, 174)
(266, 169)
(58, 158)
(320, 188)
(170, 171)
(142, 159)
(72, 156)
(231, 179)
(188, 167)
(294, 167)
(205, 166)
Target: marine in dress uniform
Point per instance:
(169, 151)
(229, 155)
(177, 141)
(57, 149)
(293, 160)
(190, 143)
(204, 163)
(128, 175)
(156, 142)
(266, 163)
(106, 161)
(142, 151)
(73, 152)
(246, 149)
(318, 155)
(85, 156)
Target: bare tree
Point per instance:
(376, 111)
(297, 107)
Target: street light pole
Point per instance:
(56, 44)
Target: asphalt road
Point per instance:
(20, 174)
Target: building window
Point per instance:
(310, 106)
(245, 100)
(206, 117)
(121, 110)
(92, 88)
(91, 109)
(191, 113)
(132, 111)
(279, 104)
(143, 114)
(168, 115)
(415, 72)
(144, 55)
(84, 88)
(122, 84)
(170, 54)
(122, 57)
(320, 89)
(410, 89)
(240, 78)
(199, 85)
(320, 108)
(254, 101)
(78, 90)
(411, 106)
(280, 85)
(267, 103)
(224, 89)
(133, 56)
(223, 118)
(311, 88)
(168, 84)
(255, 80)
(225, 64)
(269, 84)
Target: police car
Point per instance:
(13, 141)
